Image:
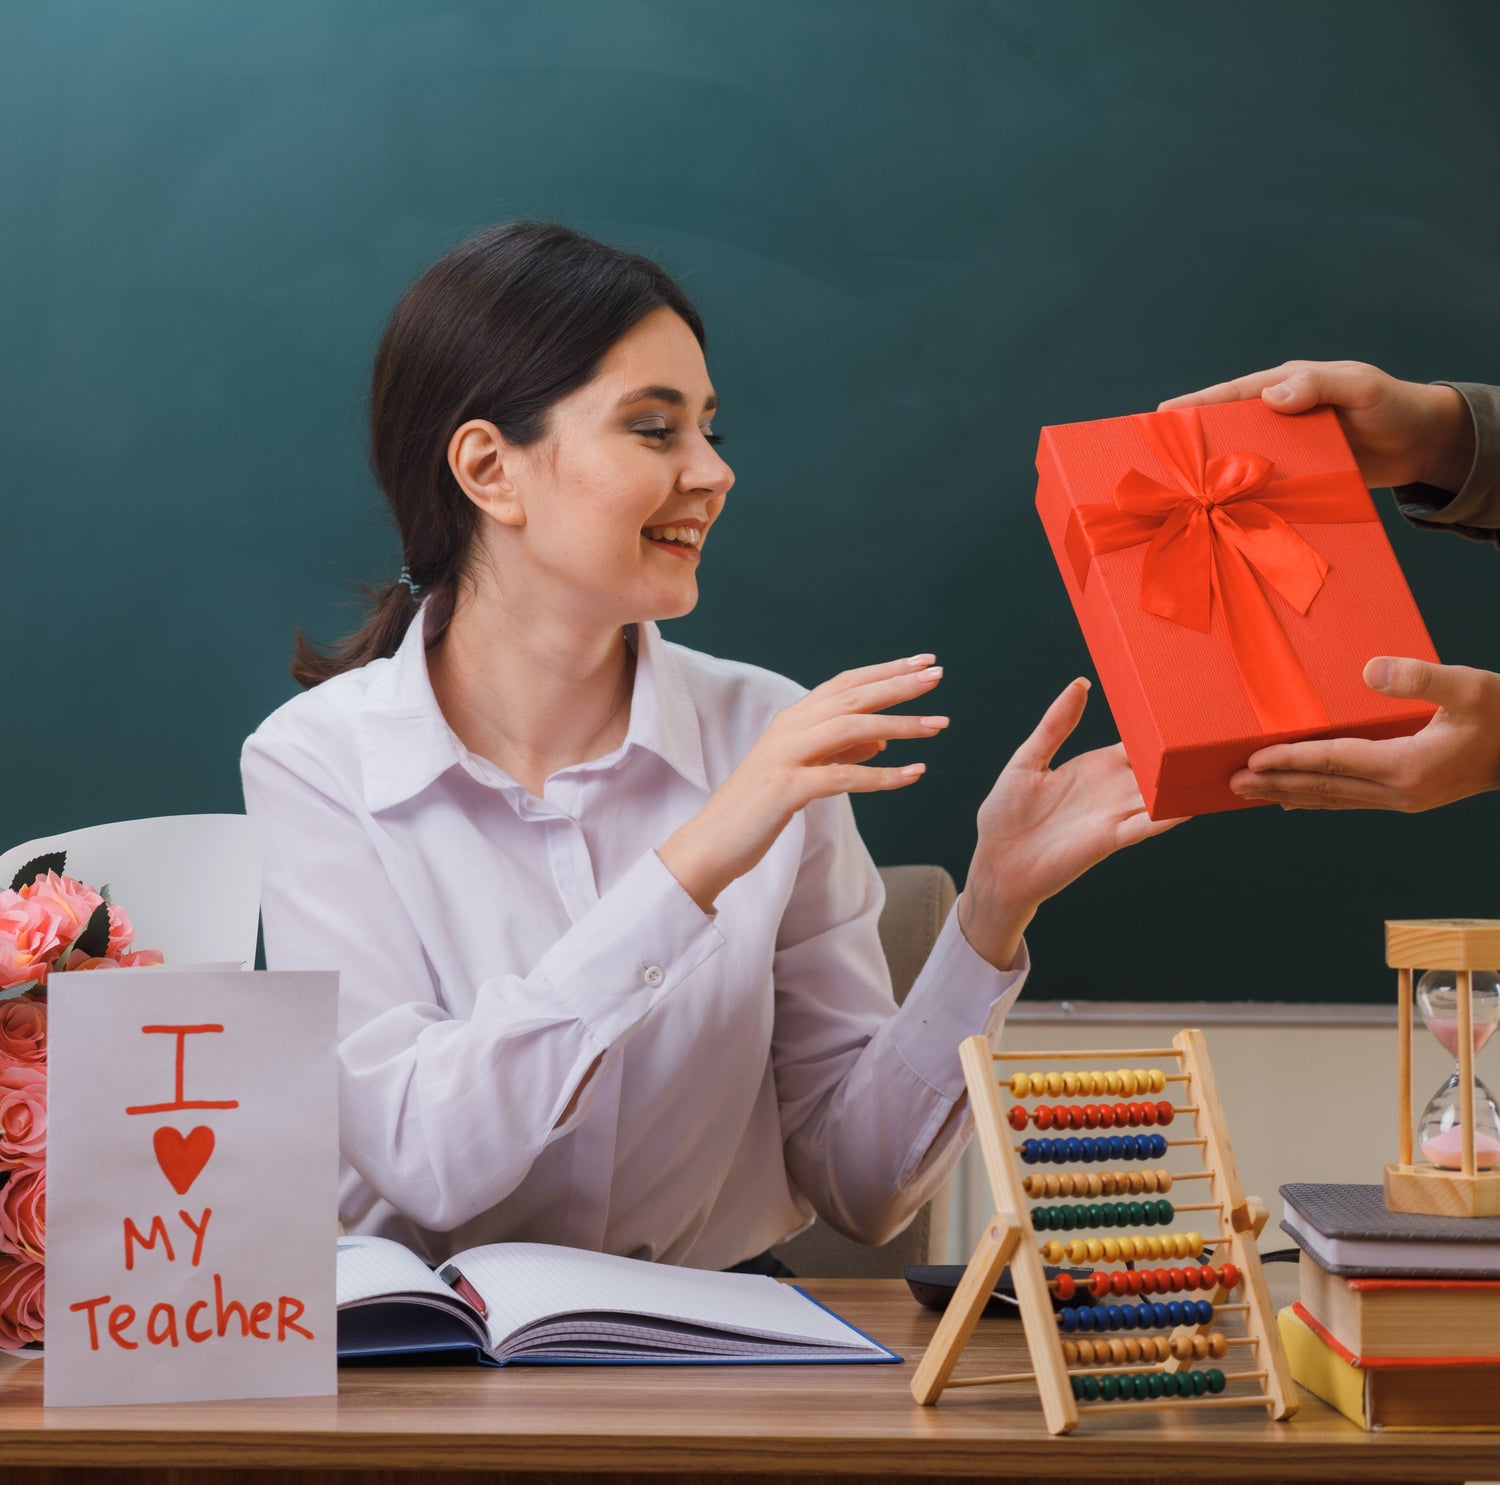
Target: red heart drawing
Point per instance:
(182, 1157)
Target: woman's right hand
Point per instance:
(813, 749)
(1400, 433)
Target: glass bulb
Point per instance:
(1440, 1135)
(1437, 999)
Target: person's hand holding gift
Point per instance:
(1400, 433)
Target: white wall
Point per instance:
(1309, 1092)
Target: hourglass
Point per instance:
(1454, 1170)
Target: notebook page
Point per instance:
(369, 1267)
(526, 1282)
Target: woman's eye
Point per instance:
(713, 438)
(660, 434)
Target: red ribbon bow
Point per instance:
(1221, 534)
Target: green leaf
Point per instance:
(17, 990)
(104, 893)
(54, 861)
(94, 940)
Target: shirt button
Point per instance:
(653, 975)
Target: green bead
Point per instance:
(1216, 1382)
(1167, 1210)
(1173, 1383)
(1077, 1387)
(1134, 1214)
(1200, 1383)
(1141, 1385)
(1158, 1384)
(1109, 1387)
(1090, 1387)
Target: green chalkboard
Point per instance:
(917, 233)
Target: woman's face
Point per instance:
(618, 498)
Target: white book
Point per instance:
(533, 1302)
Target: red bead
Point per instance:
(1164, 1113)
(1148, 1279)
(1119, 1282)
(1043, 1117)
(1091, 1115)
(1190, 1278)
(1137, 1280)
(1122, 1115)
(1018, 1117)
(1176, 1279)
(1065, 1287)
(1207, 1278)
(1229, 1275)
(1106, 1116)
(1076, 1117)
(1148, 1113)
(1099, 1283)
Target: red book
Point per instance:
(1231, 577)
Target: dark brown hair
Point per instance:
(501, 327)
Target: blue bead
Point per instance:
(1118, 1316)
(1088, 1319)
(1158, 1146)
(1174, 1313)
(1028, 1151)
(1075, 1149)
(1088, 1149)
(1116, 1146)
(1205, 1310)
(1162, 1314)
(1069, 1318)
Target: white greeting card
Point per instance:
(192, 1185)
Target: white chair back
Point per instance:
(190, 883)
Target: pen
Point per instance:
(463, 1288)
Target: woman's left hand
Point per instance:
(1042, 827)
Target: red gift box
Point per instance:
(1231, 577)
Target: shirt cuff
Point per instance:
(1476, 505)
(958, 994)
(635, 946)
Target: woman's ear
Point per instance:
(484, 464)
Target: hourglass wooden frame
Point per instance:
(1461, 945)
(1231, 1223)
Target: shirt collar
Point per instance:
(406, 742)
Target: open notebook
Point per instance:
(533, 1302)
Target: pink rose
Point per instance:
(31, 935)
(23, 1213)
(23, 1113)
(120, 931)
(20, 1302)
(76, 900)
(23, 1030)
(141, 959)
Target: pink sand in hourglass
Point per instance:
(1445, 1029)
(1446, 1150)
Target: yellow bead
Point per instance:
(1112, 1082)
(1070, 1352)
(1111, 1250)
(1078, 1251)
(1141, 1247)
(1108, 1183)
(1154, 1246)
(1200, 1347)
(1127, 1082)
(1137, 1182)
(1095, 1082)
(1070, 1083)
(1195, 1245)
(1051, 1185)
(1095, 1248)
(1182, 1347)
(1164, 1180)
(1134, 1349)
(1018, 1085)
(1053, 1251)
(1096, 1184)
(1218, 1346)
(1117, 1350)
(1158, 1080)
(1086, 1352)
(1054, 1083)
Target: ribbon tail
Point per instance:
(1280, 691)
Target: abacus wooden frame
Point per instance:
(1002, 1242)
(1462, 945)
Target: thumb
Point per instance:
(1056, 726)
(1413, 680)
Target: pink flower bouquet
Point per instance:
(48, 921)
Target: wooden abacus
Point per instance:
(1118, 1371)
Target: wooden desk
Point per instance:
(789, 1424)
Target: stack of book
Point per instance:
(1397, 1324)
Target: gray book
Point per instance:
(1349, 1230)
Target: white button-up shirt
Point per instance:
(752, 1065)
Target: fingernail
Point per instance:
(934, 671)
(934, 721)
(1085, 682)
(918, 661)
(913, 770)
(1378, 674)
(1281, 392)
(1251, 794)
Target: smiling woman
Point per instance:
(610, 974)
